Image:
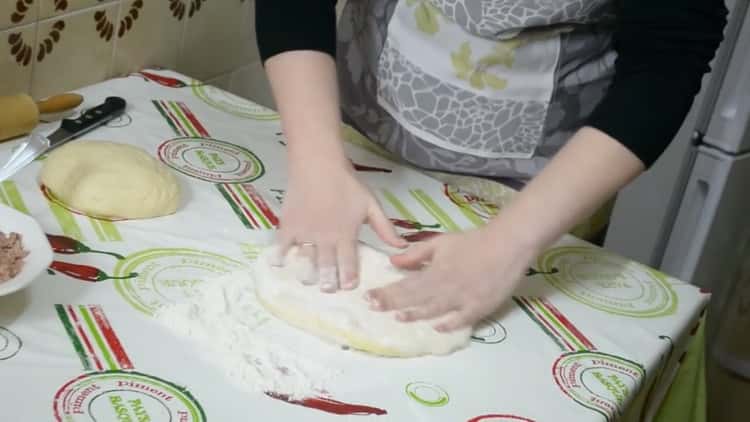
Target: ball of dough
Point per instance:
(111, 180)
(345, 317)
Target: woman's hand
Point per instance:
(323, 210)
(463, 277)
(325, 204)
(471, 274)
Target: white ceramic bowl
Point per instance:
(34, 240)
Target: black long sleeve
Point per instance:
(664, 48)
(286, 25)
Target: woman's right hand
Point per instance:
(325, 204)
(324, 207)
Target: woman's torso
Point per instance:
(484, 87)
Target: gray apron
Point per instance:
(491, 88)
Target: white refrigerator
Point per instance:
(690, 214)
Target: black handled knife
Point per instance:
(70, 129)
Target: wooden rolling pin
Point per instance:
(19, 114)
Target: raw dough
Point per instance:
(111, 180)
(345, 317)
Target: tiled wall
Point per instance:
(52, 46)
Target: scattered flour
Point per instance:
(230, 328)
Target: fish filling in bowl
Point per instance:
(11, 256)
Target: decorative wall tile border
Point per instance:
(126, 23)
(47, 44)
(22, 8)
(179, 7)
(35, 30)
(20, 49)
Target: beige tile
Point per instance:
(82, 54)
(148, 36)
(219, 38)
(250, 82)
(17, 52)
(50, 8)
(18, 12)
(223, 81)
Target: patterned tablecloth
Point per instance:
(589, 336)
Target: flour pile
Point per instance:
(231, 329)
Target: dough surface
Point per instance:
(110, 180)
(344, 317)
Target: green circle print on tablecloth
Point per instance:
(117, 395)
(608, 282)
(211, 160)
(10, 344)
(601, 382)
(167, 276)
(427, 394)
(232, 104)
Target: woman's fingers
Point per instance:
(429, 310)
(407, 293)
(284, 242)
(328, 272)
(307, 272)
(414, 258)
(348, 265)
(383, 227)
(464, 318)
(331, 265)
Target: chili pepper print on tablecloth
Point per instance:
(532, 272)
(360, 167)
(420, 236)
(330, 406)
(415, 225)
(69, 246)
(499, 418)
(167, 81)
(84, 272)
(280, 139)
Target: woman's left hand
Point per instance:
(461, 278)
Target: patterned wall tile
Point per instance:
(219, 37)
(149, 34)
(50, 8)
(95, 39)
(18, 12)
(74, 50)
(17, 52)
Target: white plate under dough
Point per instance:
(344, 317)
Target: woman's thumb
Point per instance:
(382, 226)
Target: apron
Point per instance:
(491, 88)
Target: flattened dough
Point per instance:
(112, 180)
(344, 317)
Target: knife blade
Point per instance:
(70, 129)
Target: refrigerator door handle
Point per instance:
(695, 214)
(697, 197)
(730, 120)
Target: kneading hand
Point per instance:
(322, 214)
(460, 278)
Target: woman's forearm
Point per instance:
(587, 172)
(305, 89)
